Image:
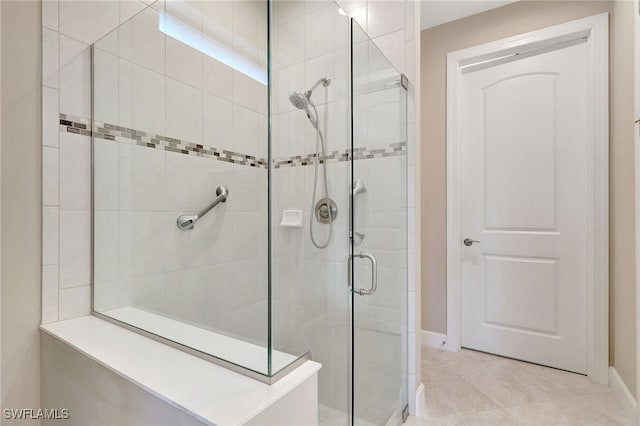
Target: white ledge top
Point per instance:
(208, 392)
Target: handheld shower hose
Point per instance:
(302, 102)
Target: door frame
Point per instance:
(596, 30)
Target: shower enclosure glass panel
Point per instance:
(310, 41)
(379, 235)
(180, 97)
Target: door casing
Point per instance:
(596, 30)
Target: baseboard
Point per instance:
(622, 394)
(420, 401)
(433, 340)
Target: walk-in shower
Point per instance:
(244, 220)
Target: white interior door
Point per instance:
(524, 198)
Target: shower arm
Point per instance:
(186, 221)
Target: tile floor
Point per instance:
(474, 388)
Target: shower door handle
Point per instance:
(374, 274)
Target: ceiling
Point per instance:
(436, 12)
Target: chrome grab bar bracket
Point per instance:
(186, 222)
(374, 274)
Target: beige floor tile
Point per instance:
(436, 375)
(474, 388)
(590, 410)
(483, 418)
(510, 383)
(456, 397)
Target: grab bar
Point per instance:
(186, 221)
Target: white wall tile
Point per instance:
(142, 42)
(411, 186)
(184, 111)
(109, 43)
(106, 296)
(74, 302)
(217, 77)
(183, 63)
(50, 57)
(50, 14)
(288, 80)
(210, 243)
(105, 179)
(289, 10)
(105, 229)
(129, 8)
(49, 176)
(245, 130)
(316, 68)
(385, 17)
(49, 294)
(410, 19)
(75, 172)
(124, 293)
(75, 248)
(141, 98)
(250, 189)
(320, 29)
(217, 21)
(184, 176)
(75, 14)
(50, 117)
(247, 92)
(411, 349)
(411, 270)
(142, 242)
(50, 222)
(249, 232)
(290, 39)
(245, 36)
(218, 122)
(148, 292)
(141, 178)
(392, 46)
(75, 77)
(410, 60)
(105, 86)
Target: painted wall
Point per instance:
(21, 204)
(493, 25)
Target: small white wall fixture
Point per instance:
(596, 31)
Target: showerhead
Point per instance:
(301, 100)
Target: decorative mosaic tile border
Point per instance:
(112, 132)
(73, 124)
(362, 153)
(150, 140)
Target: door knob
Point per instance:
(468, 242)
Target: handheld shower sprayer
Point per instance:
(325, 208)
(302, 100)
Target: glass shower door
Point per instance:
(378, 231)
